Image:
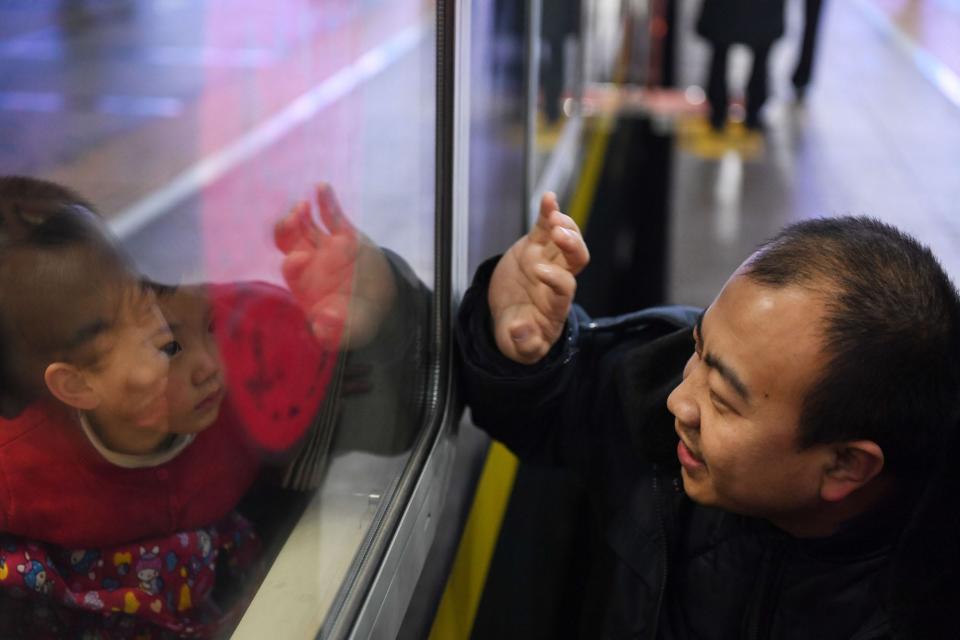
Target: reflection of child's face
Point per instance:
(196, 385)
(131, 377)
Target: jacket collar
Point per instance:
(647, 374)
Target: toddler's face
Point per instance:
(131, 376)
(196, 382)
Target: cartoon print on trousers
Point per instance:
(34, 574)
(194, 566)
(82, 561)
(122, 560)
(148, 571)
(205, 544)
(4, 569)
(92, 600)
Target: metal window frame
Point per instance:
(380, 583)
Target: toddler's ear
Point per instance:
(68, 385)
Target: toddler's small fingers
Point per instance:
(286, 231)
(294, 264)
(327, 321)
(331, 214)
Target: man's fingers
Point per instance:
(560, 281)
(540, 233)
(526, 342)
(570, 243)
(558, 234)
(532, 352)
(559, 219)
(548, 204)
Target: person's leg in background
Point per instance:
(757, 88)
(717, 94)
(811, 27)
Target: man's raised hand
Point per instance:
(533, 285)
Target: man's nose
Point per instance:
(681, 404)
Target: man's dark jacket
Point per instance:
(668, 568)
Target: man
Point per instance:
(778, 466)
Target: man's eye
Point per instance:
(718, 403)
(172, 348)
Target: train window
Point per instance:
(558, 70)
(269, 171)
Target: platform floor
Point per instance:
(875, 136)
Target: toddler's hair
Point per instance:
(63, 281)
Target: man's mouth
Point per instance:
(689, 458)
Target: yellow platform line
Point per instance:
(461, 598)
(585, 192)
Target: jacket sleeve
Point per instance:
(530, 408)
(602, 386)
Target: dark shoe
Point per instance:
(753, 122)
(799, 93)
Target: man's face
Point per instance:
(131, 377)
(196, 385)
(738, 408)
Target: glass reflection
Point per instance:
(138, 415)
(215, 399)
(558, 78)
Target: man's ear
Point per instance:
(69, 386)
(855, 464)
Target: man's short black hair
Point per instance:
(891, 336)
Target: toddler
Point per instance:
(118, 441)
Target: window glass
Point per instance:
(559, 71)
(497, 120)
(237, 399)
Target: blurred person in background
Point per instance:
(808, 47)
(757, 24)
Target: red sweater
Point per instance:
(55, 487)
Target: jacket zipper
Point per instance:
(657, 498)
(766, 600)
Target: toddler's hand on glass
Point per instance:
(341, 280)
